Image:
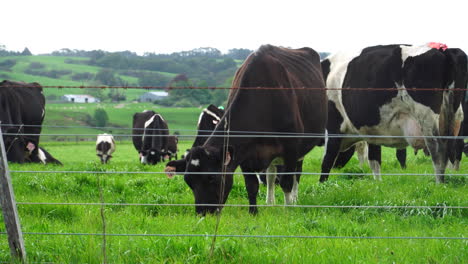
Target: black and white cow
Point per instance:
(105, 147)
(276, 113)
(150, 134)
(404, 107)
(22, 111)
(207, 122)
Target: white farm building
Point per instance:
(152, 96)
(79, 98)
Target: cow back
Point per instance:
(284, 109)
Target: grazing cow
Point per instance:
(22, 111)
(105, 146)
(150, 134)
(403, 108)
(207, 122)
(274, 113)
(172, 150)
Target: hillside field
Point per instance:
(58, 63)
(68, 118)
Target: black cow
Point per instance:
(172, 150)
(22, 111)
(150, 134)
(275, 113)
(403, 108)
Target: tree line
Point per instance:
(200, 67)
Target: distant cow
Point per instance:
(105, 146)
(403, 108)
(22, 111)
(172, 150)
(275, 113)
(150, 135)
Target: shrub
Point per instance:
(100, 117)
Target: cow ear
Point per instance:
(229, 155)
(227, 160)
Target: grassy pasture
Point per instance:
(182, 120)
(155, 188)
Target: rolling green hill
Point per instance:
(66, 70)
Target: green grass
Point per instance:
(182, 120)
(156, 188)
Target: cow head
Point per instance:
(203, 172)
(151, 156)
(105, 146)
(104, 157)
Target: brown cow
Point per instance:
(272, 112)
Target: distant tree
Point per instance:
(82, 76)
(152, 79)
(7, 64)
(239, 54)
(100, 117)
(106, 77)
(36, 65)
(117, 95)
(98, 93)
(26, 52)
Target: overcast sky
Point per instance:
(176, 25)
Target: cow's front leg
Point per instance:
(401, 157)
(332, 148)
(295, 188)
(438, 150)
(375, 159)
(270, 179)
(252, 185)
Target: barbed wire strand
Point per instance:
(233, 88)
(242, 173)
(255, 136)
(252, 136)
(246, 236)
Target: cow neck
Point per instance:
(219, 135)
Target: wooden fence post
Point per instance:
(10, 212)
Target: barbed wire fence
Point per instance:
(17, 247)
